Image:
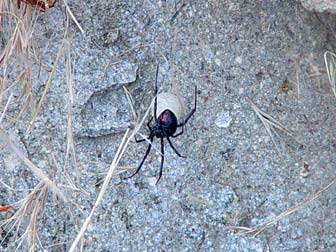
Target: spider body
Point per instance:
(166, 124)
(168, 114)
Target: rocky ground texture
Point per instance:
(259, 148)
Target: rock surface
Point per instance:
(320, 5)
(241, 169)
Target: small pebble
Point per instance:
(239, 60)
(223, 120)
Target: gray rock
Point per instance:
(92, 81)
(103, 114)
(102, 108)
(231, 50)
(320, 5)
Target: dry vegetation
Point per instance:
(22, 218)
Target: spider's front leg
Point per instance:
(145, 139)
(191, 112)
(156, 91)
(148, 124)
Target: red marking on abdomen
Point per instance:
(165, 118)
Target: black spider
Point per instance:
(167, 112)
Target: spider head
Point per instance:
(166, 124)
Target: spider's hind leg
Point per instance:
(144, 158)
(162, 161)
(173, 147)
(178, 134)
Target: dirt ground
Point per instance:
(259, 171)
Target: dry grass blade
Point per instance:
(37, 171)
(17, 32)
(120, 152)
(306, 60)
(177, 91)
(199, 200)
(330, 62)
(71, 152)
(0, 17)
(257, 230)
(118, 170)
(30, 207)
(13, 37)
(70, 144)
(118, 58)
(39, 203)
(131, 103)
(238, 228)
(107, 180)
(73, 16)
(71, 149)
(51, 75)
(6, 107)
(270, 123)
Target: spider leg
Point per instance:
(191, 112)
(144, 158)
(156, 91)
(173, 147)
(178, 134)
(149, 127)
(139, 140)
(162, 160)
(148, 124)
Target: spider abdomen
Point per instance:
(166, 124)
(169, 101)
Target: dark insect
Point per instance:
(167, 112)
